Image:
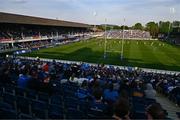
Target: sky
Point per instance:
(96, 11)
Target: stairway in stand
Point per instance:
(168, 105)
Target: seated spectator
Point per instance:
(46, 67)
(138, 89)
(175, 94)
(150, 92)
(110, 95)
(155, 111)
(23, 79)
(83, 92)
(121, 110)
(97, 103)
(34, 83)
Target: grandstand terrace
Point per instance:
(56, 90)
(20, 28)
(129, 34)
(175, 34)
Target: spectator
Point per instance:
(23, 79)
(150, 92)
(121, 110)
(110, 95)
(138, 89)
(97, 103)
(155, 111)
(46, 67)
(34, 83)
(175, 94)
(83, 92)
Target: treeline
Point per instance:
(154, 28)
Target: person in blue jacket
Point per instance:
(23, 80)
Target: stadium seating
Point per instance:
(63, 103)
(128, 34)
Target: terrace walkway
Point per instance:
(169, 106)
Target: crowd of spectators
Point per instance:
(110, 91)
(36, 41)
(26, 36)
(174, 39)
(128, 34)
(25, 45)
(33, 44)
(30, 33)
(4, 47)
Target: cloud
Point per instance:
(18, 1)
(82, 10)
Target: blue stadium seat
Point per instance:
(69, 93)
(139, 111)
(71, 102)
(25, 116)
(55, 112)
(23, 105)
(43, 97)
(8, 114)
(9, 89)
(20, 91)
(1, 90)
(83, 106)
(57, 87)
(32, 94)
(10, 99)
(56, 99)
(39, 109)
(75, 114)
(95, 114)
(70, 86)
(139, 107)
(4, 105)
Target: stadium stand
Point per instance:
(35, 89)
(173, 35)
(128, 34)
(19, 31)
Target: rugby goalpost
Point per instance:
(105, 43)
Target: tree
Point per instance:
(116, 27)
(101, 27)
(138, 26)
(165, 27)
(152, 27)
(124, 27)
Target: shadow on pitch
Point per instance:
(88, 55)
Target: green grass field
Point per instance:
(147, 54)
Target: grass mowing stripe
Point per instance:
(142, 54)
(150, 60)
(127, 53)
(165, 61)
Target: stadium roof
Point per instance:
(22, 19)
